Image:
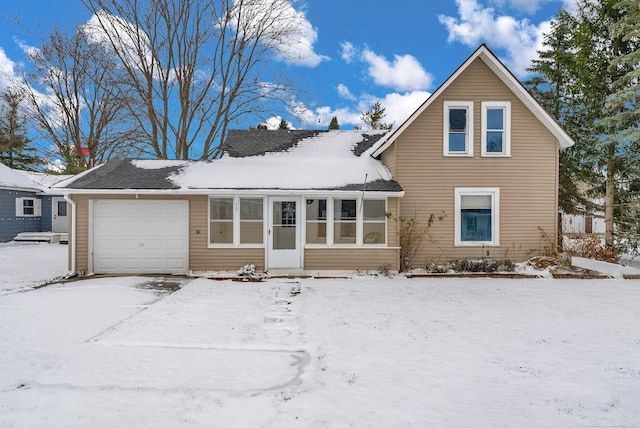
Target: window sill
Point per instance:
(458, 155)
(476, 244)
(496, 155)
(228, 246)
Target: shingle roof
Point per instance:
(123, 174)
(255, 142)
(286, 160)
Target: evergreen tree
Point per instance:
(373, 117)
(622, 118)
(334, 125)
(575, 79)
(283, 125)
(14, 143)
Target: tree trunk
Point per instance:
(609, 200)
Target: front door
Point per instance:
(284, 249)
(59, 221)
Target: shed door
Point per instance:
(140, 236)
(59, 221)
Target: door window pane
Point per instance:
(284, 225)
(62, 208)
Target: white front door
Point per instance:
(284, 249)
(59, 220)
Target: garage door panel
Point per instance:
(140, 236)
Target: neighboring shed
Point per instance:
(27, 204)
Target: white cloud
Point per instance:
(476, 24)
(348, 51)
(398, 107)
(29, 51)
(106, 29)
(345, 93)
(289, 29)
(403, 74)
(7, 70)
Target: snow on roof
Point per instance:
(157, 163)
(42, 180)
(13, 178)
(324, 161)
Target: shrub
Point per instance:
(591, 247)
(486, 265)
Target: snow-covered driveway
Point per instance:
(313, 353)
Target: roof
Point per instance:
(11, 178)
(289, 160)
(490, 59)
(257, 142)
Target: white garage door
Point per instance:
(140, 236)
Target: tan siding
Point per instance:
(388, 159)
(350, 259)
(527, 180)
(202, 258)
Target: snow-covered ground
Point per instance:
(362, 352)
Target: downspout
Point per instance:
(72, 240)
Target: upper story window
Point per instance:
(28, 207)
(496, 128)
(458, 128)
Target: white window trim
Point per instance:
(359, 224)
(506, 144)
(37, 207)
(494, 192)
(386, 223)
(445, 120)
(236, 222)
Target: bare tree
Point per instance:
(75, 102)
(195, 66)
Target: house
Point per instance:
(479, 158)
(28, 205)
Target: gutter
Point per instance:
(72, 240)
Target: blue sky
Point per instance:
(354, 52)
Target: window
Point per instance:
(477, 216)
(242, 225)
(251, 224)
(374, 223)
(458, 128)
(28, 207)
(316, 221)
(344, 221)
(221, 221)
(496, 128)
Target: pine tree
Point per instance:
(14, 143)
(373, 117)
(577, 73)
(283, 125)
(334, 125)
(622, 118)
